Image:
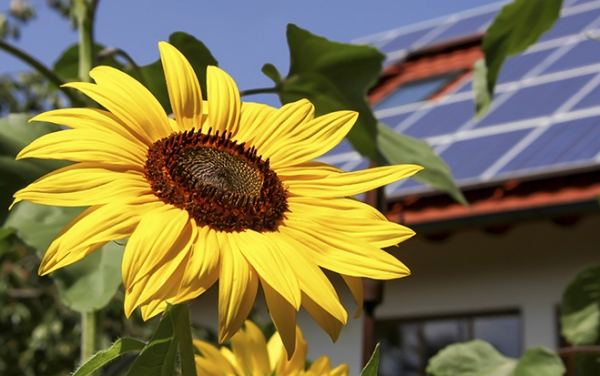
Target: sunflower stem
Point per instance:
(186, 345)
(84, 13)
(264, 90)
(88, 335)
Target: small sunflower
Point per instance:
(225, 190)
(252, 355)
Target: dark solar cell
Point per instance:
(443, 119)
(464, 27)
(393, 121)
(415, 91)
(404, 41)
(584, 53)
(578, 2)
(572, 24)
(467, 86)
(470, 158)
(534, 101)
(518, 66)
(568, 142)
(592, 99)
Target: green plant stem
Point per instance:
(84, 13)
(42, 69)
(265, 90)
(88, 335)
(186, 345)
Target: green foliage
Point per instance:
(159, 355)
(86, 285)
(580, 316)
(102, 358)
(39, 336)
(479, 358)
(325, 72)
(373, 364)
(518, 26)
(398, 148)
(67, 65)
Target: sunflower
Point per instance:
(252, 355)
(222, 190)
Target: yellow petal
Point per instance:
(341, 370)
(283, 315)
(252, 117)
(308, 170)
(85, 184)
(269, 262)
(86, 145)
(351, 183)
(311, 278)
(163, 237)
(223, 101)
(95, 226)
(136, 112)
(184, 90)
(279, 361)
(349, 206)
(334, 251)
(238, 285)
(214, 356)
(312, 139)
(95, 119)
(250, 349)
(330, 324)
(355, 285)
(321, 366)
(275, 128)
(380, 233)
(202, 267)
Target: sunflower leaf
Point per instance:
(325, 72)
(16, 133)
(67, 65)
(373, 364)
(121, 347)
(518, 26)
(85, 286)
(153, 76)
(398, 149)
(159, 355)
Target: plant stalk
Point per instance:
(88, 335)
(186, 345)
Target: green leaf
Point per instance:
(474, 358)
(159, 355)
(67, 65)
(102, 358)
(325, 72)
(153, 76)
(399, 149)
(373, 364)
(86, 285)
(15, 134)
(270, 71)
(517, 26)
(580, 308)
(539, 361)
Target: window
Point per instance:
(416, 91)
(407, 345)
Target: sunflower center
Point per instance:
(221, 183)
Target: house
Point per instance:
(530, 169)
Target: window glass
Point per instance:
(415, 91)
(407, 345)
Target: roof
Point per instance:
(545, 118)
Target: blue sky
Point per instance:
(242, 35)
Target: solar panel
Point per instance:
(414, 91)
(404, 41)
(563, 143)
(546, 112)
(534, 101)
(442, 119)
(464, 27)
(584, 53)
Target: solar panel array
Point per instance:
(546, 112)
